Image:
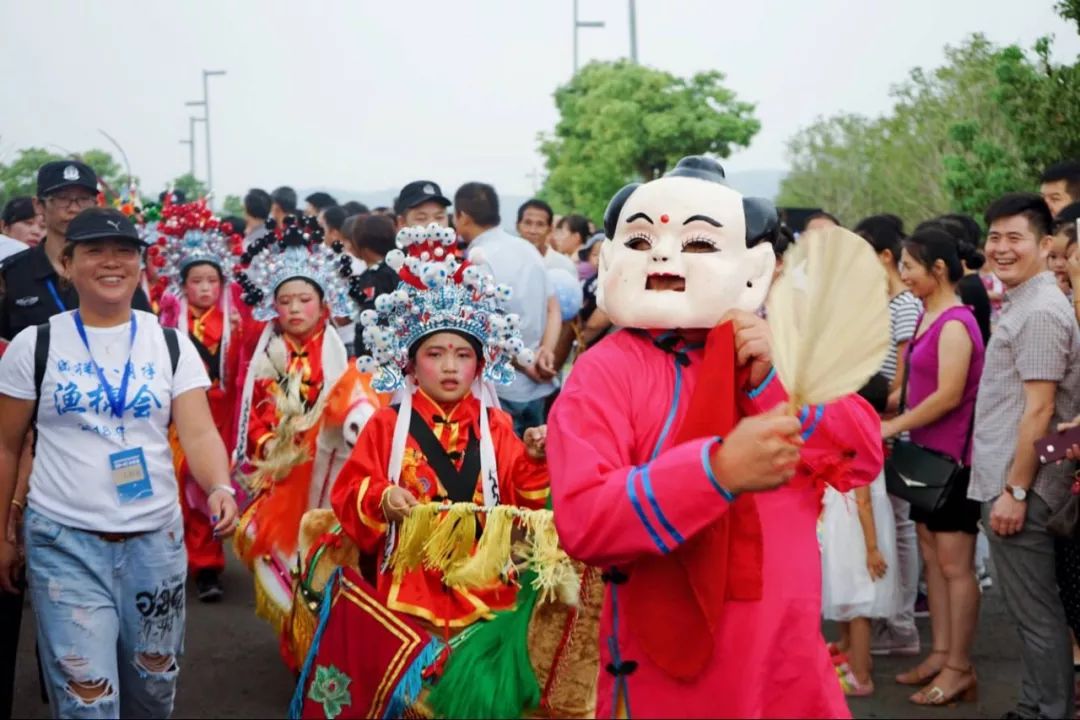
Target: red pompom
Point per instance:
(159, 262)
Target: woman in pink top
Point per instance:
(945, 362)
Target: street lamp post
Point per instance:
(633, 33)
(581, 24)
(205, 103)
(190, 142)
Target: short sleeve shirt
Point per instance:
(71, 481)
(515, 262)
(1036, 339)
(904, 312)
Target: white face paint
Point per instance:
(679, 258)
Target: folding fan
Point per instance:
(829, 315)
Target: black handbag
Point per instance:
(925, 478)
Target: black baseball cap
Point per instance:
(417, 193)
(59, 174)
(98, 223)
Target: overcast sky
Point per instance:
(369, 95)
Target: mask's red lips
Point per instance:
(665, 281)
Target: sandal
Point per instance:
(967, 692)
(915, 676)
(851, 685)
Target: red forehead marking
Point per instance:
(664, 218)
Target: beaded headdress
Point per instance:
(438, 293)
(296, 251)
(188, 234)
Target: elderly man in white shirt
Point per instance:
(515, 262)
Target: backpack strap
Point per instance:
(173, 344)
(41, 359)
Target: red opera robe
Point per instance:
(627, 495)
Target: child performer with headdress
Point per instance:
(288, 460)
(194, 260)
(439, 340)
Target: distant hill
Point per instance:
(757, 183)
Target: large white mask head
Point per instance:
(684, 249)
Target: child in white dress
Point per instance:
(859, 579)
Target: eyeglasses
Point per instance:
(70, 201)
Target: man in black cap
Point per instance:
(421, 202)
(32, 287)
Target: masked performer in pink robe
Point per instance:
(676, 466)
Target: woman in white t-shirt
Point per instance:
(106, 564)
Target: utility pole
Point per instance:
(633, 33)
(190, 142)
(205, 103)
(580, 24)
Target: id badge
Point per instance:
(130, 475)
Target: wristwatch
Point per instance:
(1018, 494)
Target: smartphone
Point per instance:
(1053, 447)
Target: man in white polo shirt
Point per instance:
(514, 262)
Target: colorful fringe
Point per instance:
(441, 537)
(491, 675)
(296, 707)
(407, 691)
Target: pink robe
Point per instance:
(622, 490)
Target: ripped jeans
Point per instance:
(110, 618)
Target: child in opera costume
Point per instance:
(674, 468)
(439, 341)
(287, 457)
(194, 259)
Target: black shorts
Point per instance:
(958, 514)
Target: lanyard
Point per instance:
(55, 295)
(116, 400)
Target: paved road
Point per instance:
(231, 667)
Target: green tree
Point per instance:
(191, 186)
(113, 176)
(1069, 10)
(945, 145)
(233, 205)
(19, 177)
(620, 122)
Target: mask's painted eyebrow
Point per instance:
(703, 218)
(639, 215)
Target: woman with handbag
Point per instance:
(944, 364)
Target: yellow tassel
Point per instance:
(412, 534)
(492, 552)
(268, 610)
(554, 570)
(452, 541)
(304, 624)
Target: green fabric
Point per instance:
(491, 676)
(330, 688)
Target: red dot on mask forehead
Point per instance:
(664, 218)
